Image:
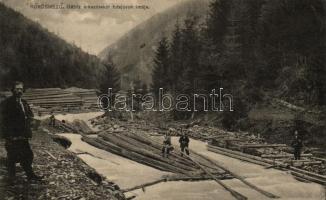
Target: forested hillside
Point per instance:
(270, 55)
(133, 53)
(255, 49)
(32, 54)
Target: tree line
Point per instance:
(41, 59)
(255, 49)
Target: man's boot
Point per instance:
(34, 177)
(11, 167)
(31, 176)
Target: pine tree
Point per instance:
(161, 74)
(111, 78)
(191, 48)
(176, 60)
(217, 22)
(293, 32)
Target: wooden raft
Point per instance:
(144, 150)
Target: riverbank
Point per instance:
(65, 175)
(129, 174)
(82, 172)
(118, 169)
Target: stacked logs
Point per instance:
(52, 97)
(142, 149)
(88, 96)
(57, 100)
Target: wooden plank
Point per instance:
(142, 186)
(234, 139)
(255, 159)
(107, 146)
(309, 178)
(157, 148)
(276, 156)
(320, 159)
(244, 156)
(268, 194)
(151, 161)
(304, 162)
(142, 151)
(46, 101)
(239, 157)
(261, 145)
(170, 179)
(81, 126)
(177, 153)
(234, 193)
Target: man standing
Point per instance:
(184, 143)
(52, 119)
(297, 145)
(166, 145)
(16, 117)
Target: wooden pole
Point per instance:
(134, 156)
(234, 193)
(170, 179)
(268, 194)
(150, 154)
(269, 163)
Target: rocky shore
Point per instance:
(65, 175)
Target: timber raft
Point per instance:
(139, 146)
(254, 150)
(139, 143)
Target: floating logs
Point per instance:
(146, 151)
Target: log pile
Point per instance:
(141, 141)
(139, 144)
(142, 149)
(81, 126)
(51, 98)
(57, 100)
(88, 96)
(248, 145)
(77, 126)
(270, 155)
(268, 163)
(276, 152)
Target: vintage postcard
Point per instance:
(162, 99)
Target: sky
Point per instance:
(90, 29)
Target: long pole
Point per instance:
(234, 193)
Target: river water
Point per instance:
(127, 174)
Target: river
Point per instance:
(127, 174)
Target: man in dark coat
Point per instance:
(166, 145)
(16, 117)
(52, 119)
(297, 145)
(184, 143)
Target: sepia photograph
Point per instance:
(162, 99)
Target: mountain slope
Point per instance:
(41, 59)
(133, 53)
